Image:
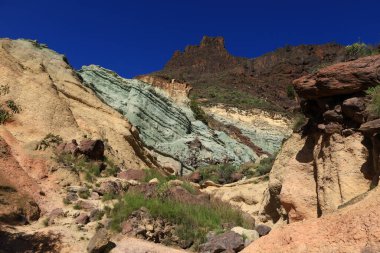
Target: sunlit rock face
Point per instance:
(265, 130)
(164, 125)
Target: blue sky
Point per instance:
(136, 37)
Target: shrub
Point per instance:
(298, 122)
(192, 221)
(4, 116)
(12, 105)
(265, 166)
(374, 105)
(48, 141)
(151, 174)
(109, 196)
(199, 114)
(188, 187)
(358, 49)
(220, 173)
(4, 89)
(84, 194)
(290, 92)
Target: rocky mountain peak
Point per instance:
(212, 42)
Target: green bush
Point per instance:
(299, 121)
(192, 221)
(374, 105)
(290, 92)
(151, 174)
(4, 116)
(199, 114)
(220, 173)
(12, 105)
(265, 166)
(84, 194)
(188, 187)
(359, 49)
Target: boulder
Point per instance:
(263, 229)
(109, 187)
(247, 234)
(82, 219)
(332, 116)
(226, 242)
(339, 79)
(372, 126)
(68, 148)
(100, 242)
(93, 149)
(195, 177)
(132, 174)
(154, 181)
(354, 108)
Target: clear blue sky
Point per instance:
(136, 37)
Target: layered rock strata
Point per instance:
(163, 125)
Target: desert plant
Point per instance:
(4, 116)
(220, 173)
(192, 221)
(374, 105)
(12, 105)
(50, 140)
(359, 49)
(299, 121)
(84, 194)
(290, 92)
(4, 89)
(199, 114)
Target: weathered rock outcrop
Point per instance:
(353, 229)
(340, 79)
(176, 90)
(212, 70)
(163, 125)
(53, 100)
(264, 130)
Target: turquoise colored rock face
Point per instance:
(163, 125)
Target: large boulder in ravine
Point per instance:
(100, 242)
(169, 128)
(227, 242)
(339, 79)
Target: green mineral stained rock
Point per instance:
(163, 125)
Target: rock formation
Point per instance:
(321, 181)
(214, 72)
(163, 125)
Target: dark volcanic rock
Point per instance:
(226, 242)
(262, 229)
(94, 149)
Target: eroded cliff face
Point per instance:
(169, 128)
(321, 182)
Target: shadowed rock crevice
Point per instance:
(21, 242)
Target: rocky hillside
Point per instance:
(263, 82)
(169, 128)
(93, 162)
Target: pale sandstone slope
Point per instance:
(349, 230)
(53, 100)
